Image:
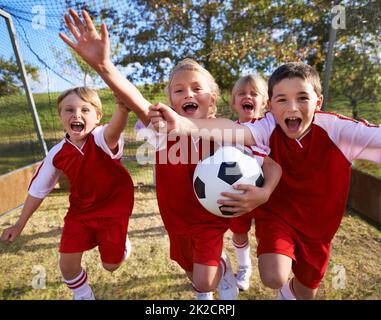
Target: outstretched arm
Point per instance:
(164, 119)
(30, 206)
(117, 124)
(94, 48)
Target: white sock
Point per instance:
(79, 286)
(285, 293)
(127, 249)
(243, 253)
(203, 295)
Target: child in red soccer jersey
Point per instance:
(195, 235)
(101, 190)
(315, 150)
(249, 99)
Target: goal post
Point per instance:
(24, 79)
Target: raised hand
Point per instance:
(93, 47)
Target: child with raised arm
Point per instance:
(315, 150)
(196, 236)
(248, 100)
(101, 190)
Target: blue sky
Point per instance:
(37, 24)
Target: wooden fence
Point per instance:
(364, 195)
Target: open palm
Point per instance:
(93, 47)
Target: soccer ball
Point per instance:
(219, 173)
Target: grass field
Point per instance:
(150, 274)
(19, 145)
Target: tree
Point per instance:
(229, 37)
(226, 37)
(10, 76)
(356, 65)
(357, 77)
(75, 62)
(157, 32)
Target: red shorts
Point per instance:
(109, 234)
(310, 257)
(241, 224)
(202, 248)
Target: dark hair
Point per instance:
(295, 70)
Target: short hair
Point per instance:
(256, 82)
(86, 94)
(295, 70)
(192, 65)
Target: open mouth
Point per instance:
(190, 107)
(77, 126)
(248, 106)
(293, 123)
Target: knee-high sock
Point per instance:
(79, 286)
(243, 253)
(286, 292)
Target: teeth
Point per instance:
(292, 118)
(190, 104)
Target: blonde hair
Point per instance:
(86, 94)
(192, 65)
(256, 82)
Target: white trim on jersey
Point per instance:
(46, 175)
(356, 140)
(75, 146)
(100, 141)
(255, 151)
(159, 141)
(262, 130)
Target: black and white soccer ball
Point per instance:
(219, 173)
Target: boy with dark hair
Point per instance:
(315, 149)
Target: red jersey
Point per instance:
(99, 185)
(179, 208)
(312, 193)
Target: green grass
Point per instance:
(370, 112)
(140, 174)
(19, 145)
(150, 274)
